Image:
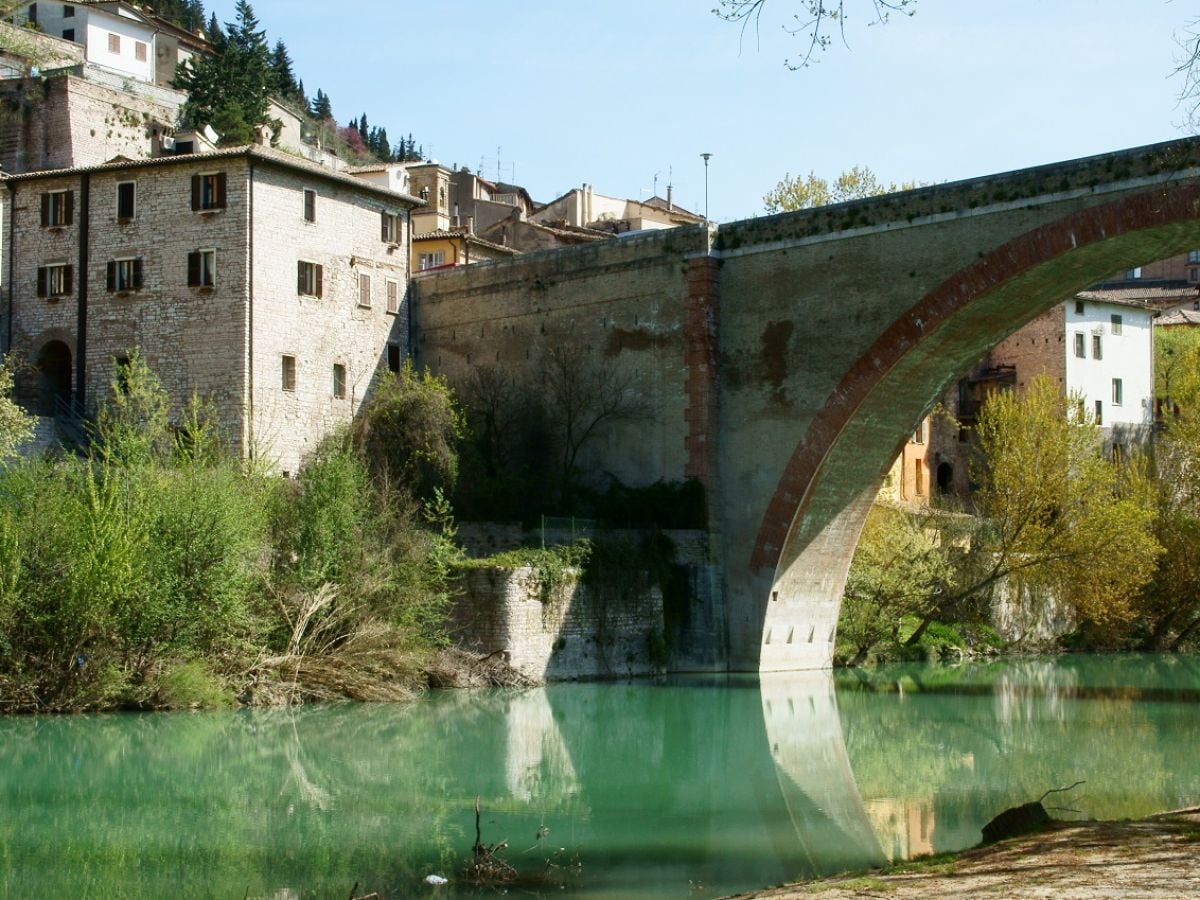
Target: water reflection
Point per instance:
(692, 785)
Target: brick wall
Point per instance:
(572, 633)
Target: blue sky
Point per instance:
(615, 93)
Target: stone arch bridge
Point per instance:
(785, 359)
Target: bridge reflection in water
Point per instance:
(711, 784)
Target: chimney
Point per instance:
(670, 204)
(454, 221)
(470, 224)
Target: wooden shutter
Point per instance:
(320, 280)
(220, 199)
(68, 279)
(193, 269)
(383, 227)
(68, 208)
(41, 287)
(45, 210)
(195, 192)
(300, 285)
(111, 277)
(137, 273)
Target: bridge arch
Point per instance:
(812, 520)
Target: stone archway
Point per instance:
(812, 523)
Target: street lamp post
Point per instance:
(706, 157)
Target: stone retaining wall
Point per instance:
(563, 633)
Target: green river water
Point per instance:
(683, 787)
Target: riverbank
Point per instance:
(1158, 856)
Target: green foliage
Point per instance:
(191, 685)
(161, 568)
(900, 570)
(408, 432)
(229, 90)
(551, 565)
(858, 183)
(1057, 515)
(16, 426)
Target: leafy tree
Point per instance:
(794, 193)
(1171, 601)
(16, 426)
(900, 570)
(814, 21)
(1056, 514)
(408, 432)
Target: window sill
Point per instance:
(364, 305)
(212, 211)
(124, 221)
(55, 229)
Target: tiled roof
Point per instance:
(251, 151)
(659, 203)
(443, 235)
(1179, 317)
(1130, 293)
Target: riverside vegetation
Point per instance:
(1113, 541)
(159, 570)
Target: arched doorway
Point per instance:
(53, 370)
(945, 478)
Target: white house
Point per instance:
(1110, 363)
(115, 35)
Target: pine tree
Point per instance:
(382, 148)
(362, 128)
(282, 72)
(229, 89)
(322, 109)
(216, 37)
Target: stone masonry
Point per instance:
(556, 634)
(226, 340)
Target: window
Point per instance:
(1080, 352)
(339, 381)
(364, 290)
(1096, 347)
(919, 433)
(202, 268)
(114, 43)
(393, 357)
(55, 280)
(32, 13)
(310, 205)
(1116, 324)
(310, 279)
(389, 230)
(1099, 413)
(68, 34)
(1079, 307)
(124, 275)
(431, 260)
(208, 191)
(918, 478)
(288, 374)
(139, 51)
(1193, 275)
(58, 209)
(393, 296)
(1193, 257)
(1118, 392)
(68, 11)
(126, 200)
(1134, 273)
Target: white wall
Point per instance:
(1128, 356)
(100, 26)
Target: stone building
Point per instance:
(272, 286)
